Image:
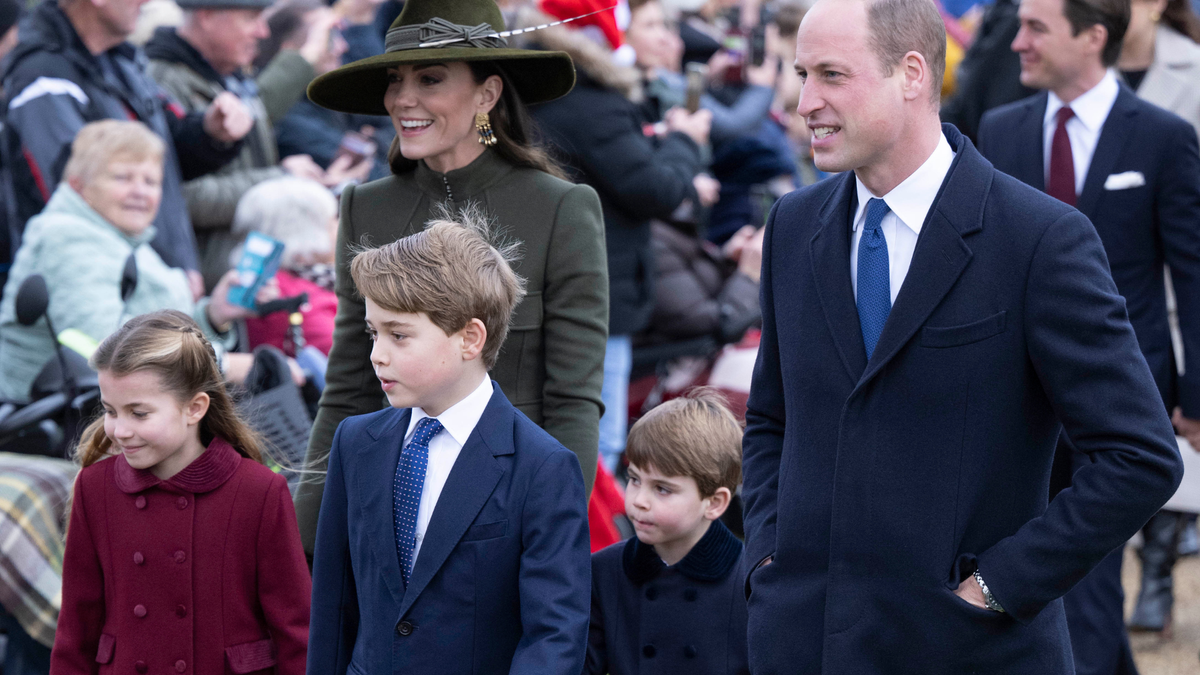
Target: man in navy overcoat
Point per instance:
(930, 327)
(1134, 170)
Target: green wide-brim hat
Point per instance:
(466, 29)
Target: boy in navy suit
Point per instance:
(453, 530)
(668, 599)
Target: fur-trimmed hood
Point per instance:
(592, 61)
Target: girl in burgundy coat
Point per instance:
(183, 555)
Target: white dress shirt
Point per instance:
(458, 422)
(909, 202)
(1091, 109)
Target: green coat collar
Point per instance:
(487, 170)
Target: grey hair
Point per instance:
(296, 211)
(898, 27)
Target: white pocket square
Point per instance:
(1124, 181)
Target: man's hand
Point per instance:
(1188, 428)
(303, 166)
(708, 189)
(345, 169)
(227, 119)
(969, 590)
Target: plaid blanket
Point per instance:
(33, 498)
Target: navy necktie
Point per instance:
(874, 276)
(406, 491)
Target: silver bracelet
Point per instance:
(988, 598)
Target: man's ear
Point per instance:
(197, 408)
(917, 78)
(717, 503)
(474, 336)
(1097, 37)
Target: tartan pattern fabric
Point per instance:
(874, 276)
(34, 493)
(406, 491)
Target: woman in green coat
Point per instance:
(456, 95)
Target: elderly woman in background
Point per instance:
(464, 139)
(1160, 60)
(302, 214)
(99, 215)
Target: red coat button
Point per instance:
(180, 666)
(182, 504)
(139, 611)
(140, 502)
(180, 557)
(181, 611)
(138, 558)
(140, 666)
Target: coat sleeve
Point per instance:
(46, 109)
(1177, 208)
(82, 616)
(555, 573)
(284, 587)
(198, 153)
(1086, 356)
(762, 444)
(575, 327)
(212, 199)
(597, 646)
(351, 387)
(333, 627)
(282, 82)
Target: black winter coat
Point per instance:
(56, 86)
(697, 291)
(688, 618)
(597, 133)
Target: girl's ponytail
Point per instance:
(170, 344)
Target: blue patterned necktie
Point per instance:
(406, 491)
(874, 276)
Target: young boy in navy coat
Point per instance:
(453, 531)
(667, 600)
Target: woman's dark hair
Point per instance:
(510, 122)
(285, 22)
(1180, 16)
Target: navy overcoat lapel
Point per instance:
(377, 463)
(1113, 136)
(941, 254)
(468, 487)
(830, 251)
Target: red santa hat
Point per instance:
(605, 20)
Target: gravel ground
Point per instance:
(1181, 654)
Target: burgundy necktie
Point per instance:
(1062, 165)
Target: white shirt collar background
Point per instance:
(1091, 110)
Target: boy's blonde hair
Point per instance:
(695, 436)
(450, 272)
(100, 143)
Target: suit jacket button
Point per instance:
(180, 556)
(181, 611)
(139, 611)
(138, 558)
(404, 628)
(689, 651)
(140, 502)
(689, 594)
(140, 666)
(182, 504)
(648, 651)
(180, 666)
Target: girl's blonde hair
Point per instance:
(170, 344)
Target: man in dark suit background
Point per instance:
(930, 327)
(1134, 170)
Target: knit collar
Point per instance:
(208, 472)
(462, 184)
(711, 559)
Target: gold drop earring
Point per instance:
(484, 126)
